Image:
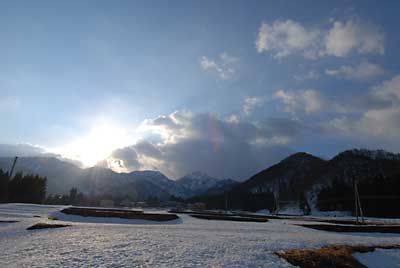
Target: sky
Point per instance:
(225, 87)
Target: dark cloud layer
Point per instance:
(205, 142)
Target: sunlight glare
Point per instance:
(97, 144)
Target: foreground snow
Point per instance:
(190, 243)
(380, 258)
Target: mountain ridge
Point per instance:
(305, 180)
(98, 180)
(300, 175)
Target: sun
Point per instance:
(96, 145)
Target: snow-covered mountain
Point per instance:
(222, 186)
(161, 181)
(139, 185)
(197, 182)
(200, 183)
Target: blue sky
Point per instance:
(160, 80)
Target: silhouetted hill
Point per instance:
(294, 173)
(305, 181)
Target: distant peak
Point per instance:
(199, 176)
(299, 156)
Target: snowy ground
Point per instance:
(188, 243)
(380, 258)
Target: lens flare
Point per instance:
(98, 144)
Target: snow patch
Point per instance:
(331, 213)
(263, 211)
(291, 210)
(380, 258)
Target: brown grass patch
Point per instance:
(337, 256)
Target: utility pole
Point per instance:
(226, 201)
(357, 201)
(276, 195)
(12, 167)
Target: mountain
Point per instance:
(160, 181)
(302, 171)
(294, 173)
(301, 180)
(198, 183)
(308, 182)
(221, 187)
(61, 175)
(138, 185)
(363, 165)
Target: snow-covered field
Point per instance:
(380, 258)
(188, 243)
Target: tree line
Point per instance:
(76, 198)
(243, 199)
(22, 188)
(379, 196)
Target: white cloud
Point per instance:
(252, 102)
(224, 66)
(345, 37)
(308, 101)
(388, 91)
(379, 124)
(170, 128)
(233, 118)
(207, 64)
(361, 72)
(375, 127)
(339, 123)
(283, 38)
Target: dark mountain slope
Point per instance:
(292, 175)
(307, 181)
